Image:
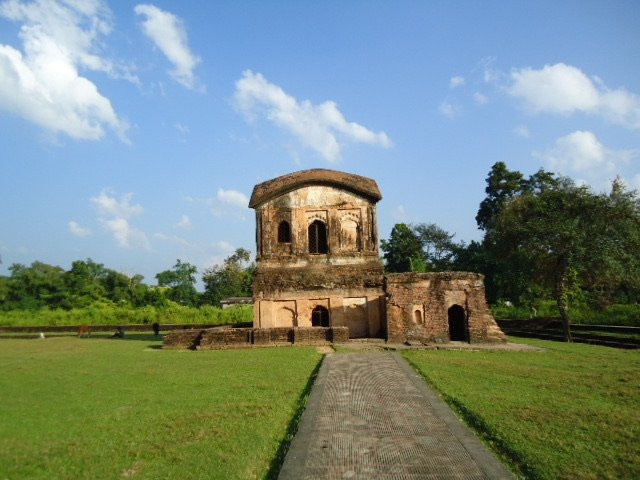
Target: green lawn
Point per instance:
(105, 408)
(570, 412)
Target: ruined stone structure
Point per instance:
(439, 307)
(318, 265)
(317, 253)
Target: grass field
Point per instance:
(571, 412)
(109, 408)
(105, 408)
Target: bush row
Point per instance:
(617, 314)
(105, 314)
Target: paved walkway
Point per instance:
(371, 416)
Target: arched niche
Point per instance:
(349, 235)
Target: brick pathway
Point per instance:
(371, 416)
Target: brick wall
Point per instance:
(418, 307)
(219, 338)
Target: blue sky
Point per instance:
(133, 133)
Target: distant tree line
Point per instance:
(544, 237)
(87, 282)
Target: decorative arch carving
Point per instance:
(317, 215)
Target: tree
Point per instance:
(181, 282)
(502, 184)
(234, 278)
(36, 286)
(572, 236)
(437, 245)
(505, 278)
(403, 251)
(85, 282)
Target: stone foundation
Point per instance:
(224, 338)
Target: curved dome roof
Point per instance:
(363, 186)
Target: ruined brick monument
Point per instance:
(317, 253)
(318, 265)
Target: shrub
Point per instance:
(616, 314)
(104, 313)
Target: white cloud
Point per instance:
(185, 222)
(582, 156)
(168, 33)
(456, 82)
(172, 238)
(77, 230)
(115, 215)
(399, 214)
(183, 129)
(111, 206)
(42, 83)
(522, 131)
(224, 246)
(480, 98)
(448, 109)
(564, 89)
(316, 126)
(233, 197)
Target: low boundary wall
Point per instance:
(222, 338)
(127, 327)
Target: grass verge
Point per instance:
(109, 408)
(570, 412)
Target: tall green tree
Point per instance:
(438, 246)
(181, 282)
(234, 278)
(505, 278)
(572, 237)
(403, 251)
(36, 286)
(502, 184)
(85, 282)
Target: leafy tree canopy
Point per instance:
(571, 236)
(234, 278)
(181, 281)
(403, 251)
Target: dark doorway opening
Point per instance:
(318, 237)
(320, 317)
(284, 232)
(458, 330)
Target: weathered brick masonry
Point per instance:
(438, 307)
(224, 338)
(318, 265)
(319, 277)
(317, 253)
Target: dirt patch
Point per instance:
(325, 349)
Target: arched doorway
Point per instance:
(318, 237)
(320, 317)
(458, 330)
